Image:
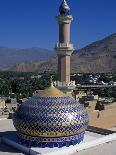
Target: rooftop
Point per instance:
(6, 127)
(105, 149)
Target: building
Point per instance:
(2, 103)
(2, 106)
(51, 122)
(64, 48)
(51, 119)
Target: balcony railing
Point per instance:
(64, 45)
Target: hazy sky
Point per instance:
(31, 23)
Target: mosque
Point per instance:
(51, 118)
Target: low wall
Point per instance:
(103, 119)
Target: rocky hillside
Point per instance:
(97, 57)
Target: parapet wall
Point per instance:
(103, 119)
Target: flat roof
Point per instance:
(6, 126)
(105, 149)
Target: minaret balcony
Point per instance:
(64, 46)
(64, 19)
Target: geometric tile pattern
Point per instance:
(51, 121)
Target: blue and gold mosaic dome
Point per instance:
(51, 119)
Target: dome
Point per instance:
(64, 8)
(50, 119)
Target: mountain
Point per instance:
(12, 56)
(98, 57)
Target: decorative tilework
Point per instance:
(51, 121)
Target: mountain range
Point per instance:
(98, 57)
(12, 56)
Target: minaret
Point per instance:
(64, 48)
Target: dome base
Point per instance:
(31, 142)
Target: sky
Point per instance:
(32, 23)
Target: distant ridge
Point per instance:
(12, 56)
(98, 57)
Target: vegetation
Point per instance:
(10, 74)
(80, 78)
(21, 85)
(106, 92)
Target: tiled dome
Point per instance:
(51, 119)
